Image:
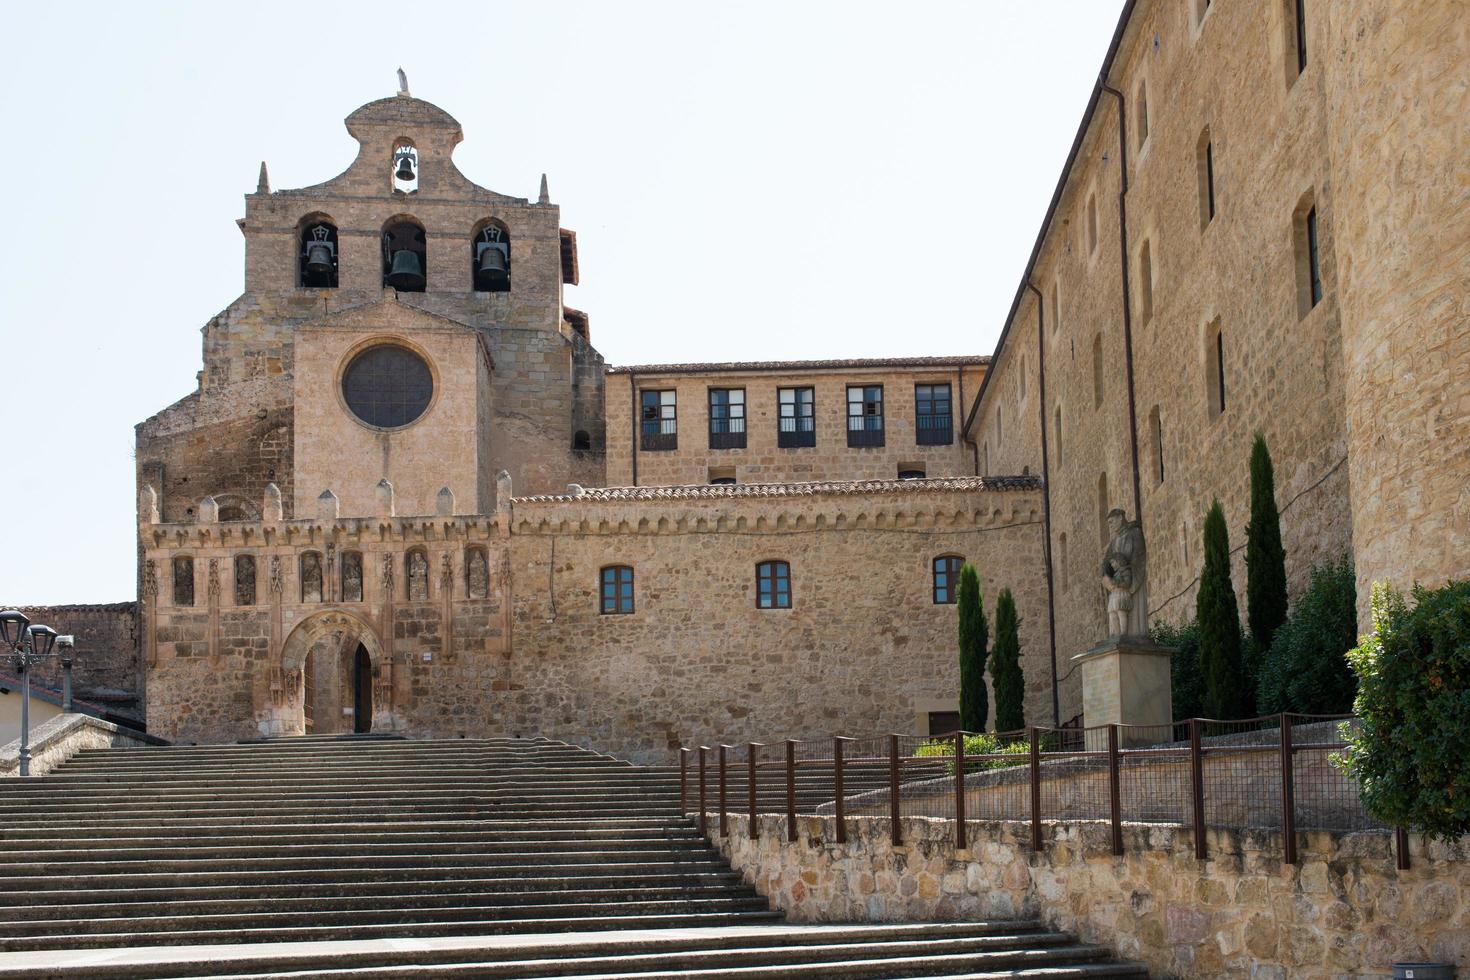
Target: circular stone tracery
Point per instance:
(387, 386)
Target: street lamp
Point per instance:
(30, 645)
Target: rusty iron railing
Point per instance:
(1273, 772)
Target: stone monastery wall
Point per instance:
(493, 624)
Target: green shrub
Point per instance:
(1187, 686)
(980, 744)
(1306, 668)
(1005, 666)
(1410, 753)
(973, 638)
(1225, 694)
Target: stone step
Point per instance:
(754, 951)
(86, 905)
(365, 849)
(273, 835)
(213, 822)
(42, 877)
(210, 888)
(604, 919)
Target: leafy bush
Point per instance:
(1306, 668)
(1409, 755)
(986, 744)
(1185, 680)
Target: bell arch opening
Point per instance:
(405, 255)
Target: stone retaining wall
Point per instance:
(1343, 911)
(62, 737)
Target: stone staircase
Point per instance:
(383, 857)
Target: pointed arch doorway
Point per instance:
(332, 678)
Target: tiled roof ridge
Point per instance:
(813, 489)
(961, 360)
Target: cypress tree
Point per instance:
(1005, 666)
(1225, 694)
(1265, 558)
(974, 636)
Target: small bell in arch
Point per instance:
(407, 163)
(319, 258)
(492, 269)
(406, 273)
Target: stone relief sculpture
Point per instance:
(418, 577)
(183, 581)
(351, 576)
(212, 582)
(311, 577)
(1124, 574)
(446, 574)
(244, 580)
(150, 579)
(275, 575)
(477, 572)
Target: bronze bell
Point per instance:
(492, 266)
(319, 259)
(406, 272)
(405, 169)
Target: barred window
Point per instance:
(617, 590)
(933, 416)
(773, 585)
(865, 415)
(659, 420)
(797, 424)
(727, 418)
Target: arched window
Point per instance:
(1102, 508)
(311, 576)
(244, 580)
(947, 579)
(317, 259)
(617, 590)
(490, 258)
(351, 576)
(1145, 284)
(911, 473)
(1204, 165)
(405, 255)
(1057, 439)
(581, 441)
(1062, 562)
(405, 167)
(1156, 436)
(1140, 102)
(773, 585)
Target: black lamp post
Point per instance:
(30, 645)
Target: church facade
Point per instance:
(409, 496)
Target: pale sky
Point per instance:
(747, 180)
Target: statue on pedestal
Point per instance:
(1125, 578)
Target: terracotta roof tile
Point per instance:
(967, 360)
(826, 489)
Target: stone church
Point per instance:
(408, 495)
(387, 507)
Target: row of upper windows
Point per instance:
(772, 585)
(405, 258)
(796, 421)
(315, 577)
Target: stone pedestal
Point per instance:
(1126, 682)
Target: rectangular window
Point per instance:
(773, 585)
(864, 415)
(727, 418)
(617, 590)
(947, 579)
(1314, 266)
(933, 415)
(1210, 178)
(797, 424)
(660, 423)
(1301, 36)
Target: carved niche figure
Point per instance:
(276, 575)
(477, 573)
(150, 579)
(311, 577)
(183, 581)
(244, 580)
(1124, 574)
(212, 583)
(418, 577)
(351, 576)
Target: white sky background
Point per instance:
(747, 181)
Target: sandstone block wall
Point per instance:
(1342, 911)
(107, 669)
(762, 460)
